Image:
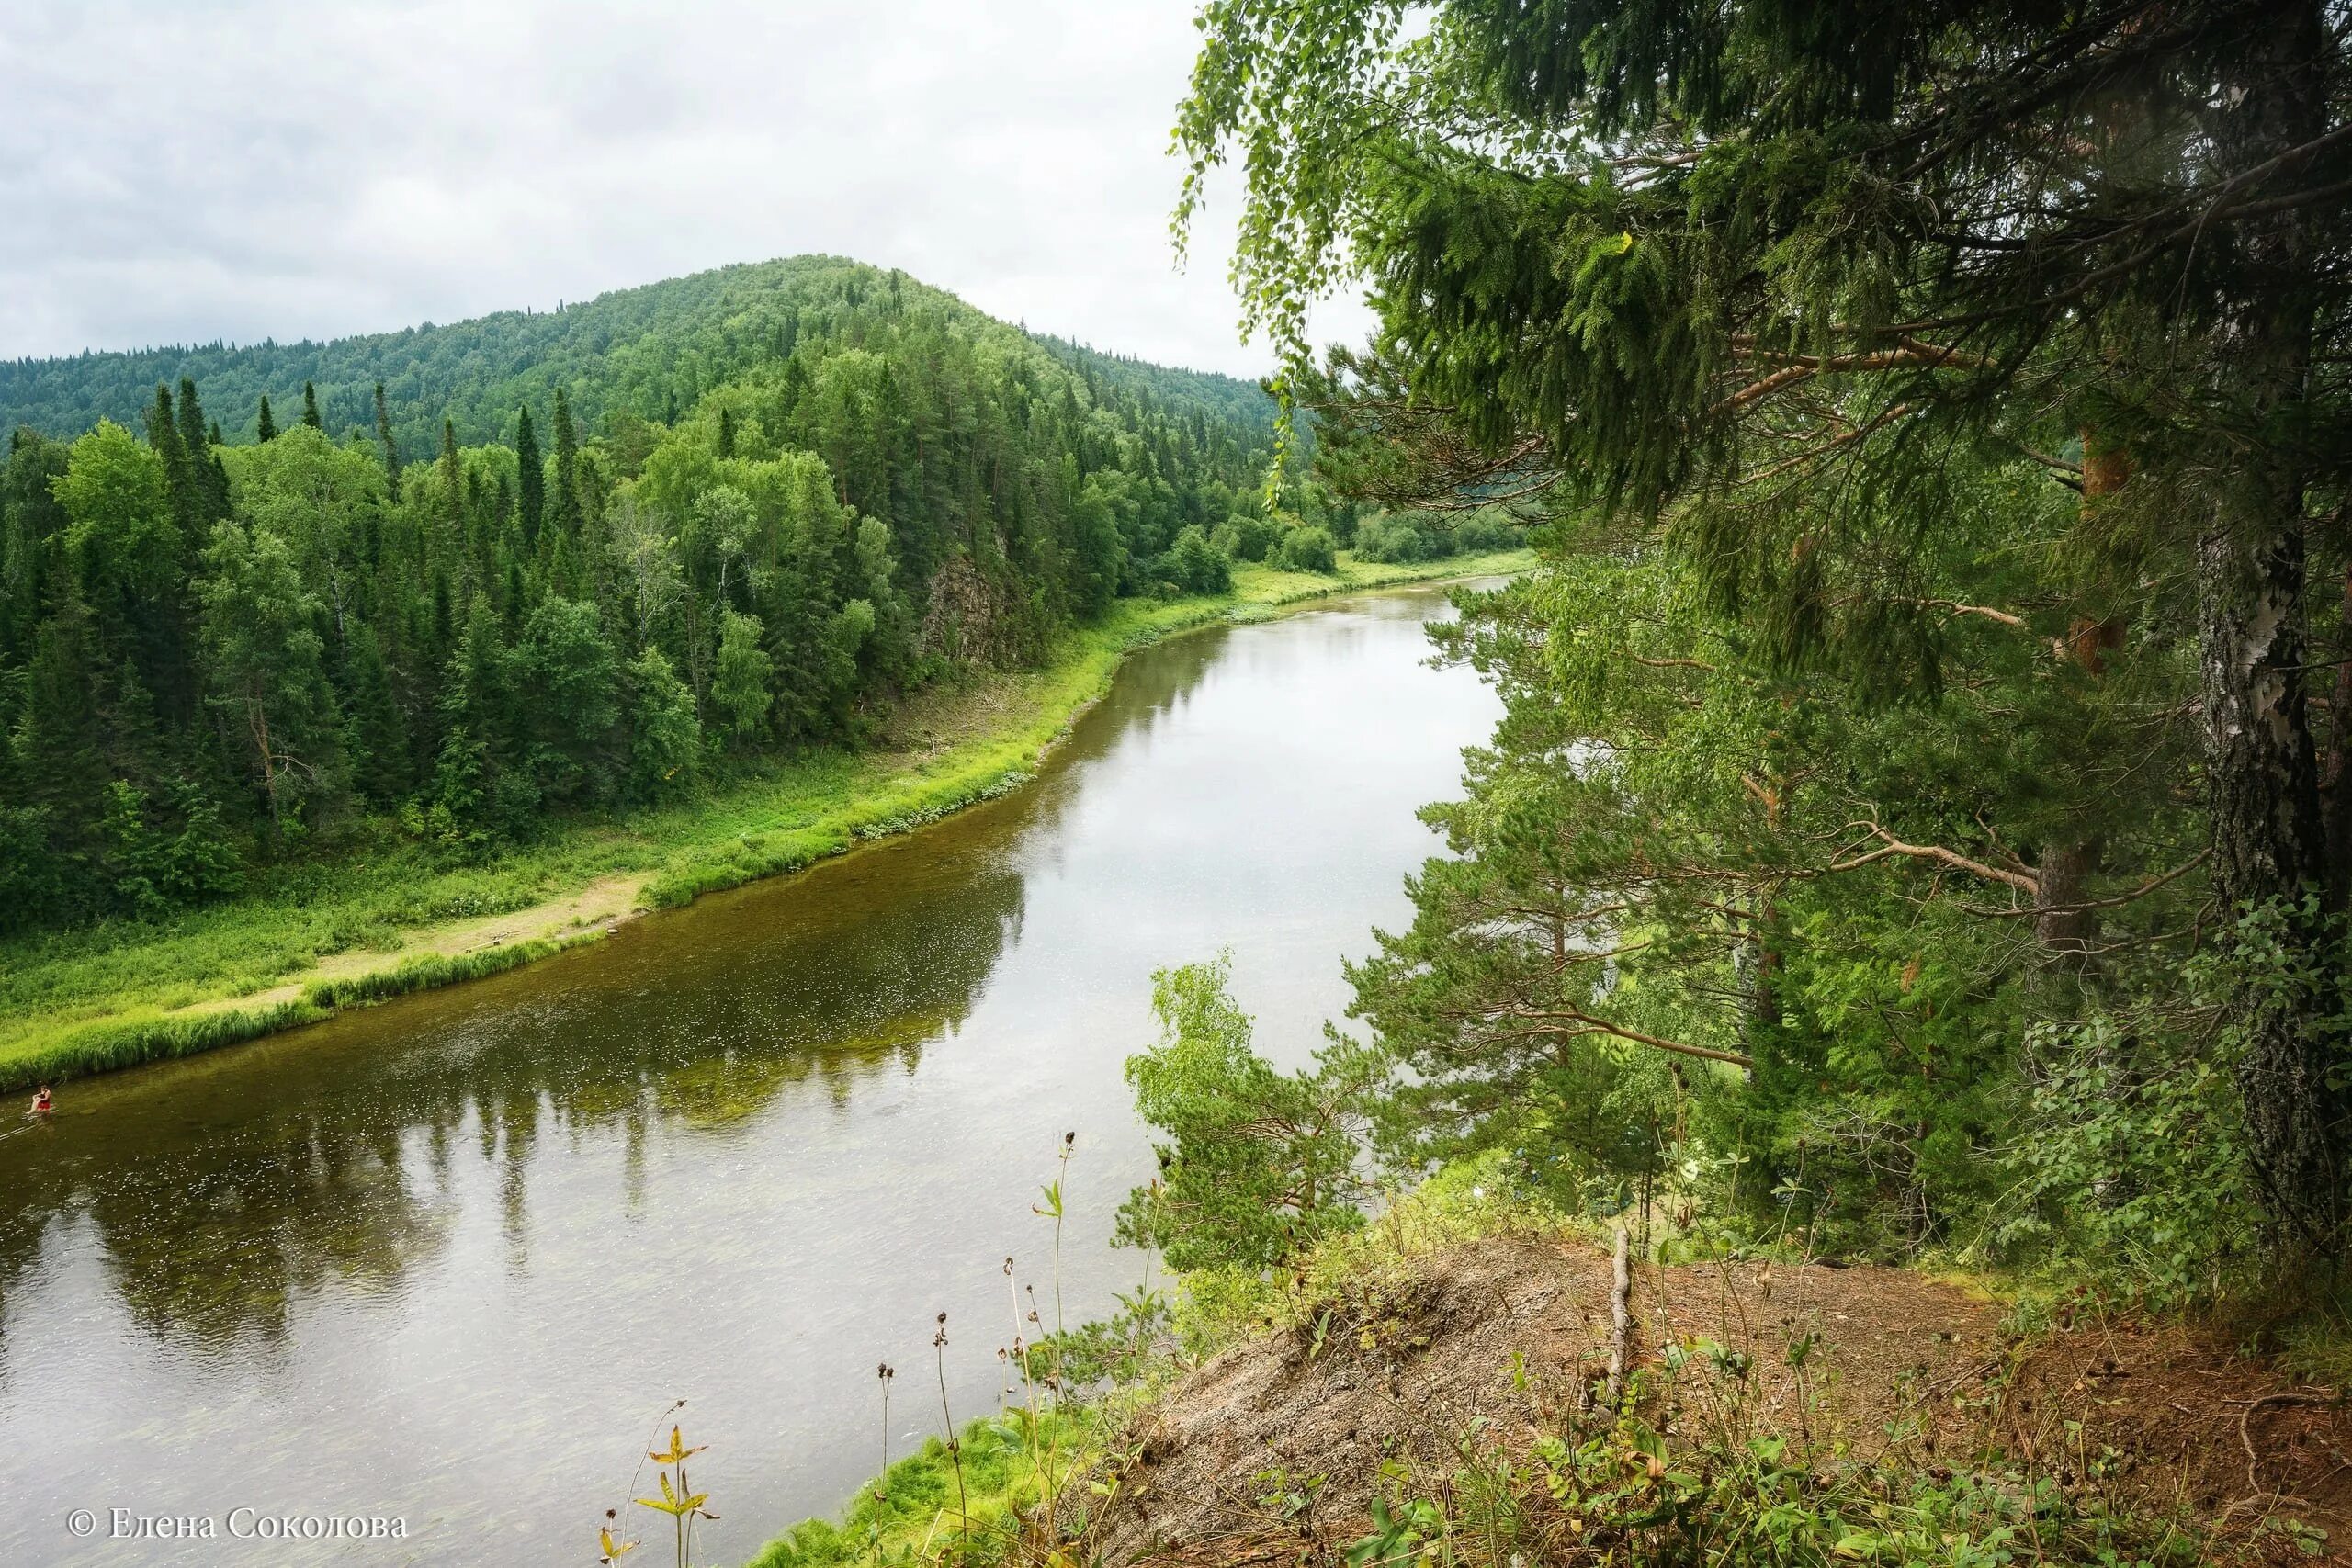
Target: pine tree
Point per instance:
(265, 427)
(725, 431)
(311, 407)
(1803, 256)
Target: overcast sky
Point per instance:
(177, 173)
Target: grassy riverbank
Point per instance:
(384, 917)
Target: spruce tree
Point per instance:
(384, 440)
(311, 407)
(211, 481)
(190, 512)
(453, 493)
(265, 427)
(565, 511)
(531, 475)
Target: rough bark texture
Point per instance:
(2335, 790)
(2066, 931)
(2268, 834)
(2062, 887)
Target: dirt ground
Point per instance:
(608, 901)
(1502, 1337)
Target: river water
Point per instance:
(446, 1260)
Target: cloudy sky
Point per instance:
(184, 171)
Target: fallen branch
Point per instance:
(1621, 1318)
(2245, 1416)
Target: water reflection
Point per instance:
(442, 1258)
(207, 1238)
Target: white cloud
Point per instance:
(176, 173)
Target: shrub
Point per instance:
(1396, 539)
(1482, 532)
(1244, 535)
(1195, 566)
(1307, 550)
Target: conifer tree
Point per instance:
(311, 407)
(265, 427)
(211, 481)
(453, 492)
(531, 478)
(1744, 278)
(58, 739)
(565, 514)
(184, 489)
(384, 440)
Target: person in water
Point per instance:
(43, 1102)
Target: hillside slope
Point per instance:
(1459, 1381)
(651, 350)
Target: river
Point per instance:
(446, 1260)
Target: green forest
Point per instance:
(1923, 818)
(464, 581)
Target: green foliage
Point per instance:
(1623, 1492)
(1927, 668)
(117, 506)
(1245, 536)
(85, 997)
(666, 742)
(265, 663)
(1419, 537)
(766, 504)
(1192, 565)
(1305, 548)
(1257, 1163)
(743, 678)
(907, 1514)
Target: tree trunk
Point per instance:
(2062, 884)
(2336, 789)
(2261, 770)
(2066, 931)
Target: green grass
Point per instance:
(913, 1512)
(106, 997)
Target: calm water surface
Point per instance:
(447, 1259)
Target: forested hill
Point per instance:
(1218, 398)
(649, 351)
(561, 563)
